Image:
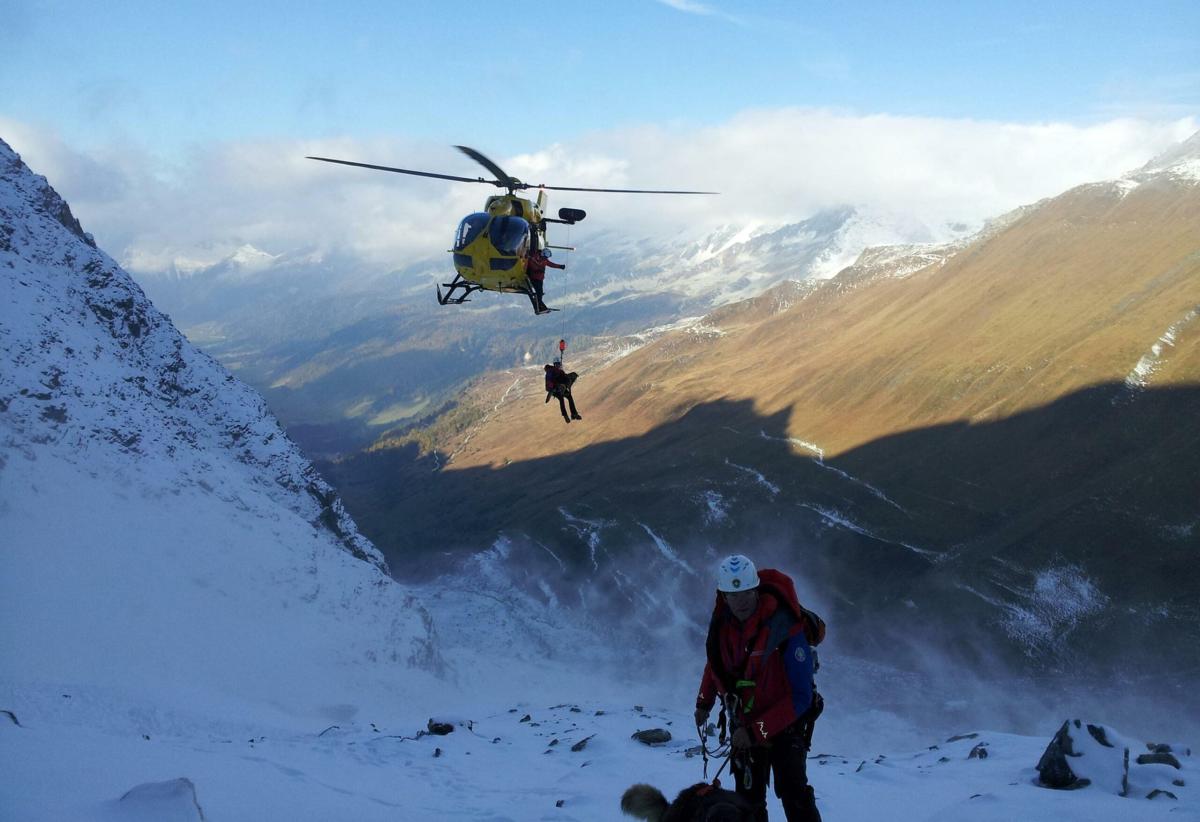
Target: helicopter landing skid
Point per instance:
(533, 300)
(459, 284)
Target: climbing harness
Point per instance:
(731, 707)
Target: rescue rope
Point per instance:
(562, 331)
(723, 750)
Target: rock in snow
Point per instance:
(1083, 754)
(171, 801)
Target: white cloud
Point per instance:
(688, 6)
(771, 165)
(702, 9)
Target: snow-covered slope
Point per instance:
(168, 553)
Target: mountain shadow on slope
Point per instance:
(1047, 538)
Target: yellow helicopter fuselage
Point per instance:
(491, 246)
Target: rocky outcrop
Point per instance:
(1083, 755)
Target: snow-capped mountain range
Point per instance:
(191, 628)
(737, 262)
(343, 353)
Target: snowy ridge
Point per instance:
(735, 263)
(879, 262)
(174, 568)
(1179, 164)
(721, 241)
(94, 368)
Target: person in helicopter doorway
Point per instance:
(535, 268)
(761, 663)
(558, 384)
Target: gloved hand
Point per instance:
(741, 740)
(701, 717)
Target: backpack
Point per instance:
(779, 585)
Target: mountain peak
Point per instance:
(1182, 159)
(249, 257)
(50, 202)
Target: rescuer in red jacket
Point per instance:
(761, 663)
(535, 268)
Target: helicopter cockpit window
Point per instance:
(469, 229)
(510, 235)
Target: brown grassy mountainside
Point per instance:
(1009, 436)
(1070, 296)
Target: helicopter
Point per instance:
(492, 247)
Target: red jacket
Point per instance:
(766, 661)
(536, 264)
(555, 376)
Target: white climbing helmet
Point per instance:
(736, 573)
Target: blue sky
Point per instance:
(172, 74)
(177, 131)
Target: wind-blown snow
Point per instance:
(819, 453)
(716, 509)
(836, 518)
(667, 551)
(771, 487)
(1059, 600)
(588, 530)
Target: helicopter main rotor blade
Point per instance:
(508, 181)
(618, 190)
(503, 179)
(410, 171)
